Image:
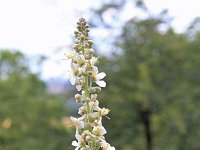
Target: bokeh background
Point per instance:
(150, 51)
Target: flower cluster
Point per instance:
(88, 81)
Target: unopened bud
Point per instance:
(75, 72)
(80, 62)
(75, 46)
(91, 51)
(78, 97)
(84, 23)
(88, 126)
(92, 90)
(88, 57)
(76, 32)
(87, 30)
(88, 138)
(82, 37)
(86, 45)
(82, 143)
(82, 110)
(98, 89)
(80, 73)
(90, 42)
(79, 27)
(86, 26)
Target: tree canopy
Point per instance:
(30, 117)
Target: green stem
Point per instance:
(87, 93)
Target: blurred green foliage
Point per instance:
(30, 118)
(153, 80)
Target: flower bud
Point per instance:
(78, 98)
(92, 90)
(79, 28)
(86, 26)
(86, 37)
(93, 97)
(76, 32)
(78, 23)
(88, 138)
(82, 143)
(82, 110)
(90, 42)
(74, 120)
(80, 73)
(98, 89)
(75, 72)
(75, 46)
(83, 23)
(86, 45)
(91, 51)
(88, 57)
(87, 30)
(90, 73)
(82, 37)
(80, 62)
(88, 126)
(69, 55)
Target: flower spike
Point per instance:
(88, 81)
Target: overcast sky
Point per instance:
(42, 26)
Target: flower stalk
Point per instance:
(88, 81)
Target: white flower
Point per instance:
(104, 111)
(106, 146)
(69, 54)
(94, 105)
(82, 110)
(98, 76)
(93, 97)
(94, 115)
(83, 75)
(78, 122)
(78, 137)
(78, 144)
(78, 87)
(99, 130)
(74, 143)
(93, 61)
(74, 72)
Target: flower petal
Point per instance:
(78, 87)
(93, 61)
(95, 70)
(72, 80)
(69, 54)
(74, 143)
(94, 114)
(101, 75)
(77, 135)
(101, 83)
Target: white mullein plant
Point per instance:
(88, 81)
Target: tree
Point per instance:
(153, 88)
(30, 117)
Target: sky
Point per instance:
(46, 26)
